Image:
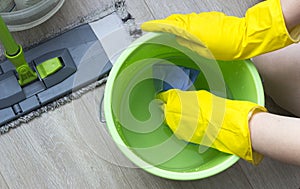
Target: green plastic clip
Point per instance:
(49, 67)
(25, 73)
(15, 54)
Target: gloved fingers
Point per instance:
(177, 24)
(182, 113)
(197, 31)
(165, 96)
(194, 23)
(199, 48)
(165, 25)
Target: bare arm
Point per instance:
(291, 13)
(273, 135)
(276, 136)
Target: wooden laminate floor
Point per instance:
(70, 147)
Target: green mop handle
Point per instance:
(14, 52)
(7, 40)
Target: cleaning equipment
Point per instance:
(261, 30)
(171, 76)
(22, 4)
(7, 5)
(65, 68)
(15, 54)
(55, 69)
(136, 122)
(30, 13)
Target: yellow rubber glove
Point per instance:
(227, 37)
(203, 118)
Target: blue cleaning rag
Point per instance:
(169, 76)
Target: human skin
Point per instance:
(276, 136)
(291, 13)
(280, 72)
(273, 135)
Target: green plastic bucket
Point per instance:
(136, 123)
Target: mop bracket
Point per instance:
(62, 65)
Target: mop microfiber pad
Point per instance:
(169, 76)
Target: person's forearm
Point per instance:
(276, 136)
(291, 13)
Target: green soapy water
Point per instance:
(177, 155)
(160, 147)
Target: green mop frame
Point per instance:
(14, 53)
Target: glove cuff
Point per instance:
(232, 134)
(256, 157)
(276, 11)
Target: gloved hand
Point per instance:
(203, 118)
(227, 37)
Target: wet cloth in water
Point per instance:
(170, 76)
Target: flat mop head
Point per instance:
(66, 66)
(63, 64)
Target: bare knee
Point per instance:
(280, 71)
